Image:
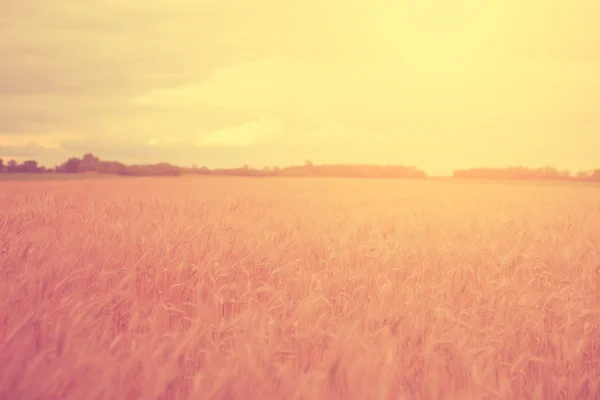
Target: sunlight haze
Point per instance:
(436, 84)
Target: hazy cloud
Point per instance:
(167, 79)
(258, 131)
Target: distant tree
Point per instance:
(1, 165)
(161, 169)
(112, 167)
(203, 170)
(548, 173)
(71, 166)
(12, 166)
(584, 174)
(89, 162)
(308, 163)
(29, 167)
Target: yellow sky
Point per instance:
(431, 83)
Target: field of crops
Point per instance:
(234, 288)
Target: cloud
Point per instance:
(92, 70)
(52, 141)
(72, 66)
(261, 130)
(151, 79)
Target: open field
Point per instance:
(233, 288)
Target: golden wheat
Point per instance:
(298, 289)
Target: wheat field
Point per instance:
(236, 288)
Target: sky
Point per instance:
(435, 84)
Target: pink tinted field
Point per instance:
(233, 288)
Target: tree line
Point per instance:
(522, 173)
(90, 163)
